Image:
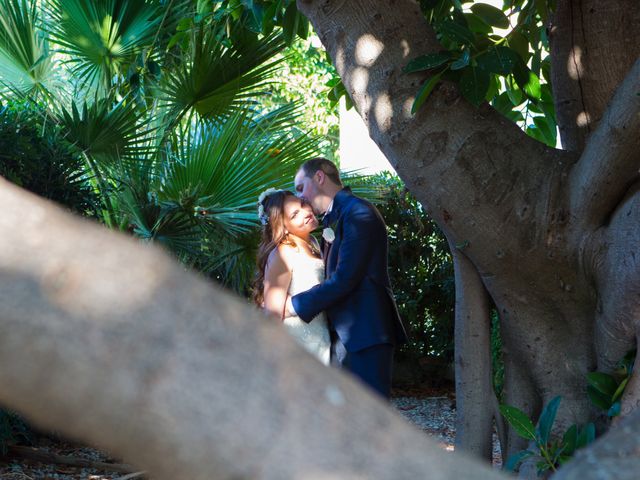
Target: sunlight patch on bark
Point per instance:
(360, 80)
(368, 49)
(383, 110)
(406, 49)
(583, 119)
(574, 63)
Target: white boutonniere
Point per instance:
(328, 234)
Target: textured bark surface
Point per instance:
(113, 343)
(593, 43)
(545, 229)
(474, 385)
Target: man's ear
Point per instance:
(320, 177)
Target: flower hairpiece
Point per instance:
(264, 219)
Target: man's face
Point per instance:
(309, 190)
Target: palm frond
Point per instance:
(26, 66)
(107, 131)
(218, 76)
(220, 174)
(102, 37)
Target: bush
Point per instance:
(421, 271)
(35, 156)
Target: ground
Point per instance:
(430, 409)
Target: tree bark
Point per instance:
(593, 45)
(111, 342)
(475, 400)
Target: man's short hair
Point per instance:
(310, 167)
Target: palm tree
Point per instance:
(163, 102)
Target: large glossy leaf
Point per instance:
(519, 421)
(527, 80)
(456, 32)
(474, 84)
(424, 92)
(603, 382)
(547, 417)
(427, 62)
(598, 398)
(498, 60)
(490, 15)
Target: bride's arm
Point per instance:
(277, 277)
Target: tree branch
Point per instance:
(111, 342)
(614, 456)
(610, 161)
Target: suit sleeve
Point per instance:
(360, 231)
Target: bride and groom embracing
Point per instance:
(334, 298)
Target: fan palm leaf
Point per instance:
(102, 37)
(218, 76)
(227, 164)
(26, 66)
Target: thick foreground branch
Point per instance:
(611, 159)
(615, 456)
(111, 342)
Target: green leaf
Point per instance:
(598, 398)
(477, 25)
(527, 80)
(603, 382)
(290, 23)
(490, 15)
(570, 440)
(620, 390)
(614, 411)
(516, 459)
(498, 60)
(456, 33)
(474, 84)
(548, 128)
(586, 436)
(424, 92)
(494, 88)
(463, 61)
(547, 417)
(519, 43)
(519, 421)
(427, 62)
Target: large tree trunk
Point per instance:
(551, 233)
(111, 342)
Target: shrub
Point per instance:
(35, 156)
(421, 272)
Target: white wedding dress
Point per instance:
(314, 336)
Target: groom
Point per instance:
(356, 294)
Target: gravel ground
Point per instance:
(431, 411)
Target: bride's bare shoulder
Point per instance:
(281, 256)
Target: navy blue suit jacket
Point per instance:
(356, 293)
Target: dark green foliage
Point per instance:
(605, 390)
(35, 156)
(13, 430)
(421, 272)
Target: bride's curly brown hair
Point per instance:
(273, 235)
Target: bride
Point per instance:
(289, 262)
